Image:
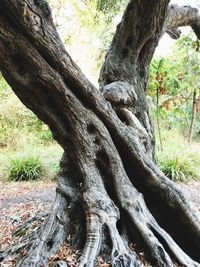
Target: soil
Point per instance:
(20, 201)
(25, 192)
(45, 195)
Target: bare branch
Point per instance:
(179, 16)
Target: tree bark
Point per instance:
(110, 192)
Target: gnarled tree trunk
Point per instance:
(110, 192)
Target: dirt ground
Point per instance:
(19, 202)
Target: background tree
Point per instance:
(177, 78)
(109, 150)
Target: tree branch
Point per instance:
(135, 39)
(179, 16)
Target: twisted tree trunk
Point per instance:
(110, 192)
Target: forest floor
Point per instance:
(21, 201)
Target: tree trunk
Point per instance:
(110, 192)
(193, 117)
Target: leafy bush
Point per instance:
(24, 168)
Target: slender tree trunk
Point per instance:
(192, 123)
(157, 118)
(110, 192)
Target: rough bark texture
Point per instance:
(182, 16)
(110, 192)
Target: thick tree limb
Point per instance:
(179, 16)
(141, 25)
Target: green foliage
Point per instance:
(110, 7)
(5, 89)
(92, 23)
(25, 168)
(179, 168)
(46, 135)
(177, 160)
(18, 123)
(175, 78)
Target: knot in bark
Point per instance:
(120, 93)
(101, 205)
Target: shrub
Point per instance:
(178, 160)
(24, 168)
(180, 168)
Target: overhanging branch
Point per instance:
(179, 16)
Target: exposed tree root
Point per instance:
(27, 240)
(93, 242)
(101, 212)
(51, 237)
(121, 256)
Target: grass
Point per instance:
(14, 161)
(179, 160)
(25, 168)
